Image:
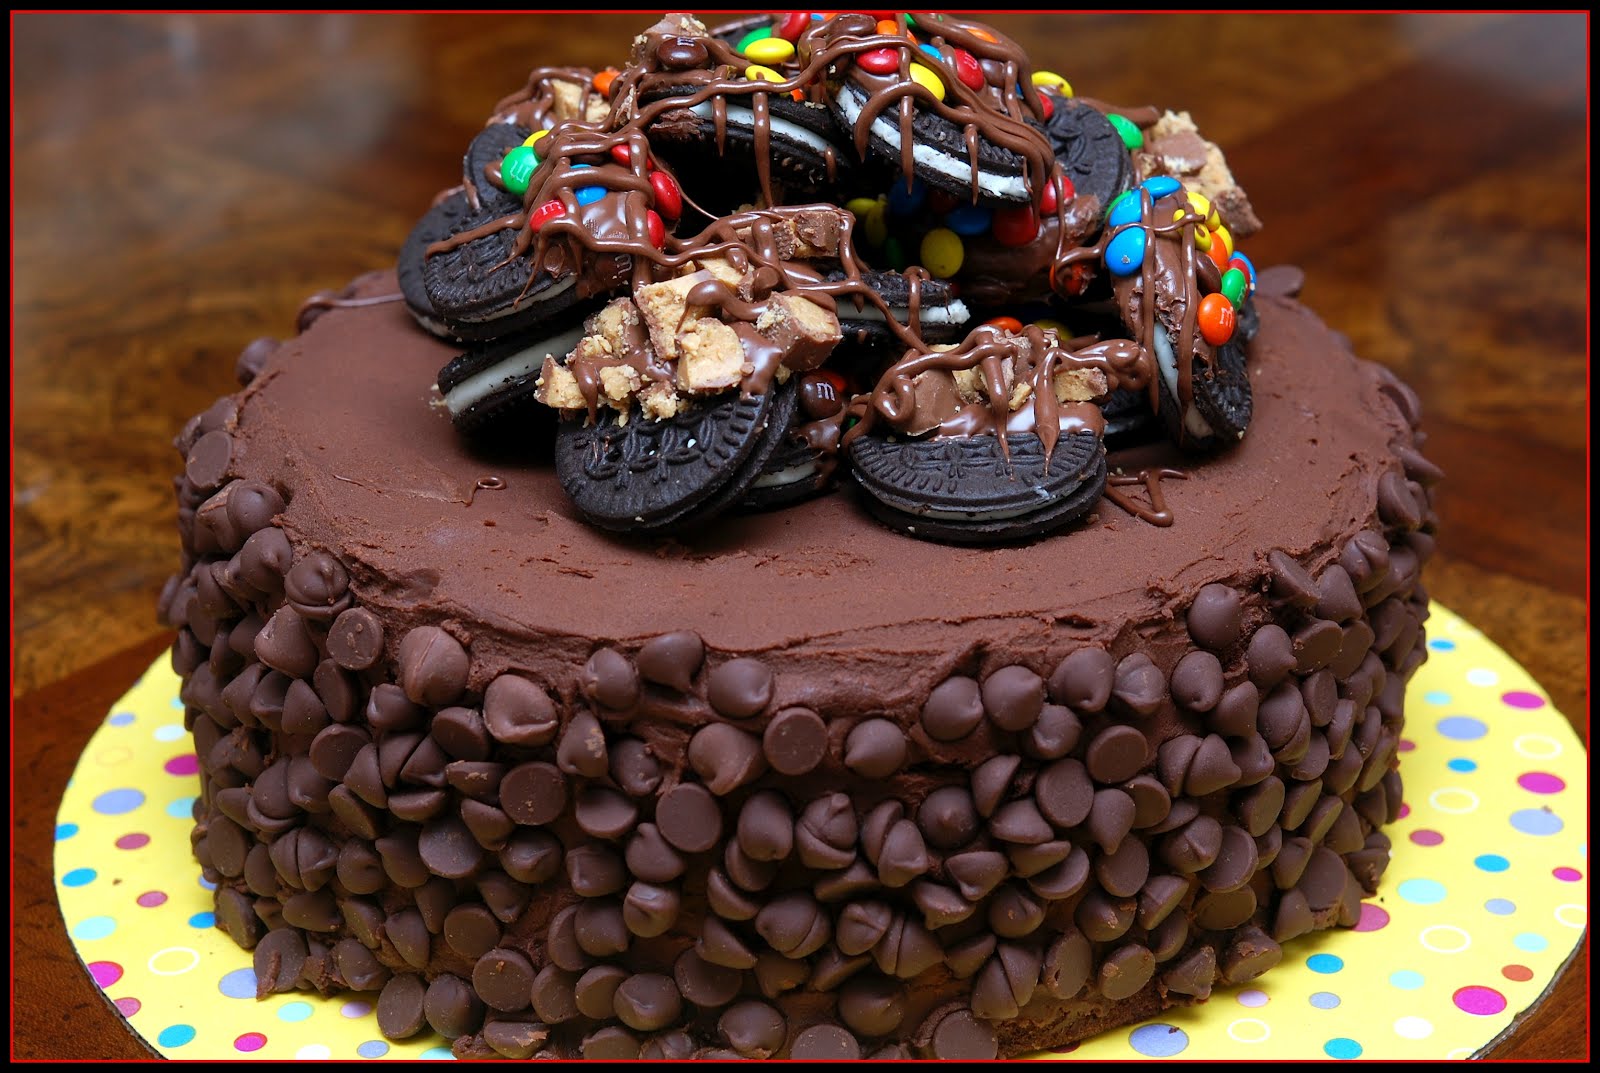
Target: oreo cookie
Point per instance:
(497, 379)
(942, 317)
(480, 290)
(796, 471)
(1222, 401)
(487, 149)
(941, 157)
(1129, 419)
(656, 476)
(441, 221)
(968, 491)
(1249, 322)
(1090, 150)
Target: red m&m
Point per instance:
(669, 199)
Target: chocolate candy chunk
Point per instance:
(967, 491)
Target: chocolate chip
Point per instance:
(451, 1007)
(953, 710)
(594, 871)
(794, 925)
(1110, 819)
(991, 781)
(1293, 918)
(1013, 913)
(555, 994)
(1013, 697)
(1027, 861)
(1315, 645)
(648, 1001)
(505, 897)
(263, 560)
(389, 710)
(1193, 975)
(285, 645)
(409, 933)
(610, 680)
(1151, 802)
(582, 749)
(460, 733)
(1197, 681)
(650, 857)
(518, 712)
(673, 1046)
(1291, 582)
(902, 857)
(515, 1039)
(1216, 618)
(960, 1035)
(209, 459)
(1251, 953)
(765, 827)
(976, 873)
(1083, 680)
(1226, 910)
(634, 767)
(1006, 983)
(531, 856)
(1116, 754)
(596, 991)
(1064, 792)
(1236, 862)
(776, 974)
(534, 793)
(359, 868)
(689, 818)
(471, 930)
(503, 979)
(1021, 822)
(605, 813)
(279, 958)
(1139, 685)
(318, 587)
(746, 872)
(795, 741)
(649, 910)
(1067, 965)
(948, 818)
(1054, 735)
(704, 984)
(1123, 873)
(672, 659)
(432, 666)
(849, 882)
(400, 1007)
(1336, 595)
(1269, 656)
(1366, 559)
(875, 749)
(754, 1029)
(740, 688)
(725, 757)
(1323, 880)
(825, 1043)
(1193, 847)
(613, 1043)
(600, 929)
(1103, 917)
(1125, 972)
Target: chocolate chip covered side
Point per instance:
(800, 787)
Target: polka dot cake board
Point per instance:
(1481, 908)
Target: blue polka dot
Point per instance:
(1422, 891)
(203, 920)
(1406, 979)
(120, 719)
(1433, 696)
(1325, 1000)
(1500, 907)
(294, 1011)
(1532, 942)
(1439, 644)
(435, 1054)
(1492, 862)
(1461, 763)
(1324, 963)
(240, 983)
(205, 884)
(177, 702)
(65, 831)
(373, 1048)
(181, 808)
(1342, 1048)
(176, 1035)
(1536, 821)
(117, 802)
(79, 877)
(1158, 1041)
(1462, 727)
(94, 928)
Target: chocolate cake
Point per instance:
(821, 781)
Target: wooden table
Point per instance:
(183, 181)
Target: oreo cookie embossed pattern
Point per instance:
(800, 787)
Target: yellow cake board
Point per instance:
(1483, 904)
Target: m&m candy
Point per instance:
(1006, 324)
(757, 73)
(1125, 251)
(942, 252)
(880, 61)
(929, 81)
(969, 220)
(1217, 319)
(1131, 135)
(534, 137)
(1245, 265)
(550, 210)
(655, 229)
(1225, 235)
(1202, 237)
(967, 69)
(588, 195)
(769, 50)
(1160, 186)
(792, 25)
(517, 168)
(1016, 225)
(1202, 208)
(1234, 285)
(669, 199)
(1126, 209)
(761, 33)
(906, 199)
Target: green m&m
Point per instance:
(1234, 284)
(1132, 136)
(517, 168)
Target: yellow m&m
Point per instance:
(1051, 80)
(942, 252)
(757, 73)
(925, 78)
(769, 50)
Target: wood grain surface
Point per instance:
(182, 182)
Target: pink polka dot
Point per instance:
(105, 973)
(355, 1009)
(1518, 699)
(1482, 1001)
(128, 1006)
(250, 1041)
(1426, 837)
(182, 765)
(1519, 973)
(1567, 875)
(133, 841)
(1406, 745)
(1373, 918)
(1541, 782)
(1405, 810)
(152, 898)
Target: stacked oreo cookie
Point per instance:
(757, 256)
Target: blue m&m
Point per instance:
(1125, 251)
(1160, 186)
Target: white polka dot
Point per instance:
(313, 1052)
(1249, 1030)
(1461, 1052)
(1573, 916)
(1454, 800)
(169, 732)
(1445, 939)
(1537, 746)
(1413, 1028)
(173, 961)
(1482, 676)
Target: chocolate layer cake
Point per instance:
(552, 778)
(804, 786)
